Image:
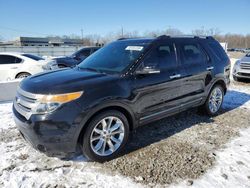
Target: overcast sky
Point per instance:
(61, 17)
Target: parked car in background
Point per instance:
(231, 49)
(126, 84)
(20, 65)
(75, 58)
(241, 68)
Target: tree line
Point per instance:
(233, 40)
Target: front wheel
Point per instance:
(214, 100)
(105, 136)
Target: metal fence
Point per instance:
(41, 50)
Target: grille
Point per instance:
(244, 74)
(24, 102)
(245, 66)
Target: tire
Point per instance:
(23, 75)
(208, 107)
(99, 148)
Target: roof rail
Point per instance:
(163, 36)
(123, 38)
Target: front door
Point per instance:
(157, 93)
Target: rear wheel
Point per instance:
(23, 75)
(214, 100)
(105, 136)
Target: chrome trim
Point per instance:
(175, 76)
(22, 110)
(210, 68)
(158, 113)
(163, 111)
(28, 94)
(24, 102)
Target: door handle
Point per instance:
(14, 67)
(175, 76)
(210, 68)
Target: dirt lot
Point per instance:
(182, 146)
(177, 148)
(236, 55)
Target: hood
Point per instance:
(68, 61)
(245, 59)
(62, 81)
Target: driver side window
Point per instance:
(161, 57)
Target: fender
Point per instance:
(87, 115)
(218, 79)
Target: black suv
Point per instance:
(127, 83)
(75, 58)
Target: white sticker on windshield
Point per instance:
(134, 48)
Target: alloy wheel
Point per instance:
(107, 136)
(215, 100)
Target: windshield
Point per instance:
(115, 57)
(34, 57)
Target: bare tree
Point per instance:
(173, 32)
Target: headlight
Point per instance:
(49, 103)
(237, 63)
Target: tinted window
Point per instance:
(161, 57)
(116, 56)
(83, 53)
(192, 54)
(95, 49)
(217, 50)
(7, 59)
(34, 57)
(18, 60)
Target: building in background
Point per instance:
(39, 41)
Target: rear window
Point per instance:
(217, 50)
(8, 59)
(34, 57)
(192, 54)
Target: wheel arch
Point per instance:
(121, 108)
(222, 83)
(22, 72)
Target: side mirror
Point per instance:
(148, 70)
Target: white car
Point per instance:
(20, 65)
(241, 68)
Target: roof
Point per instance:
(166, 36)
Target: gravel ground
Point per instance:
(182, 147)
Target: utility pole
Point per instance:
(82, 35)
(122, 32)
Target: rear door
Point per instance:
(8, 67)
(194, 62)
(158, 94)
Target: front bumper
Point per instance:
(51, 134)
(240, 72)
